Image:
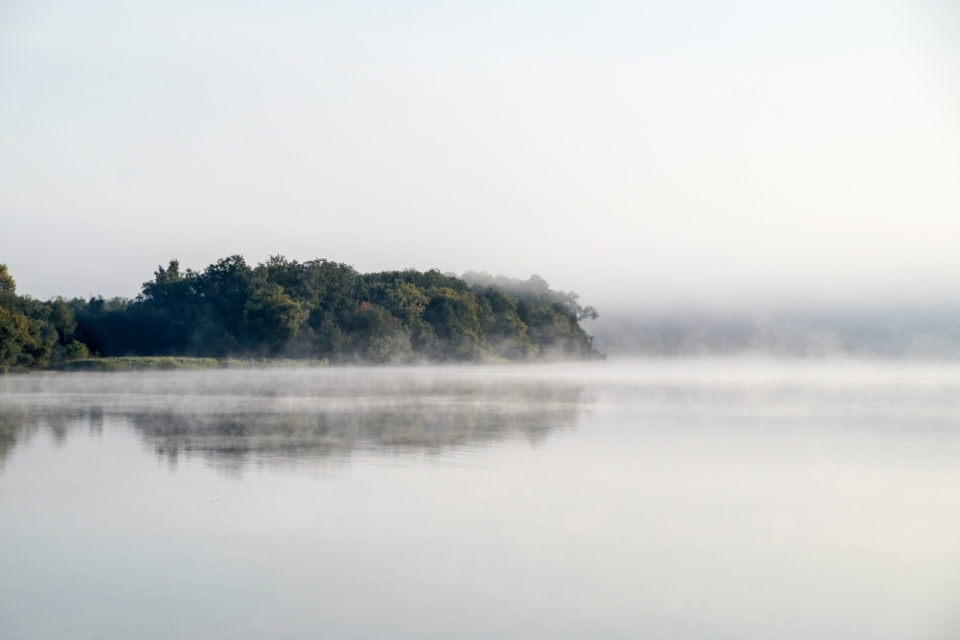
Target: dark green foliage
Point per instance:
(170, 363)
(271, 318)
(287, 309)
(32, 333)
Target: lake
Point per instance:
(647, 499)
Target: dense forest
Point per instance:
(288, 309)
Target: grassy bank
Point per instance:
(168, 363)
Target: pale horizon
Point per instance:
(696, 155)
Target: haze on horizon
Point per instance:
(642, 154)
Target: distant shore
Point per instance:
(314, 311)
(171, 363)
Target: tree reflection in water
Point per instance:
(233, 418)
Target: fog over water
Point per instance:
(282, 417)
(686, 498)
(760, 199)
(885, 333)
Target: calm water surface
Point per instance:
(661, 499)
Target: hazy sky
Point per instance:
(707, 153)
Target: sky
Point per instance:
(646, 155)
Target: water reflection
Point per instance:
(280, 417)
(695, 499)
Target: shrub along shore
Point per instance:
(308, 313)
(175, 363)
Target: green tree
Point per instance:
(381, 337)
(325, 309)
(455, 317)
(25, 342)
(403, 299)
(271, 318)
(7, 285)
(506, 333)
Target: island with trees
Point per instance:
(314, 310)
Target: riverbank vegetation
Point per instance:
(316, 310)
(176, 363)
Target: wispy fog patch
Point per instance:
(871, 334)
(233, 418)
(684, 497)
(534, 290)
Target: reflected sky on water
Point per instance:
(665, 499)
(285, 417)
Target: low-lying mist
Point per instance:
(898, 333)
(284, 416)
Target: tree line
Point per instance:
(288, 309)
